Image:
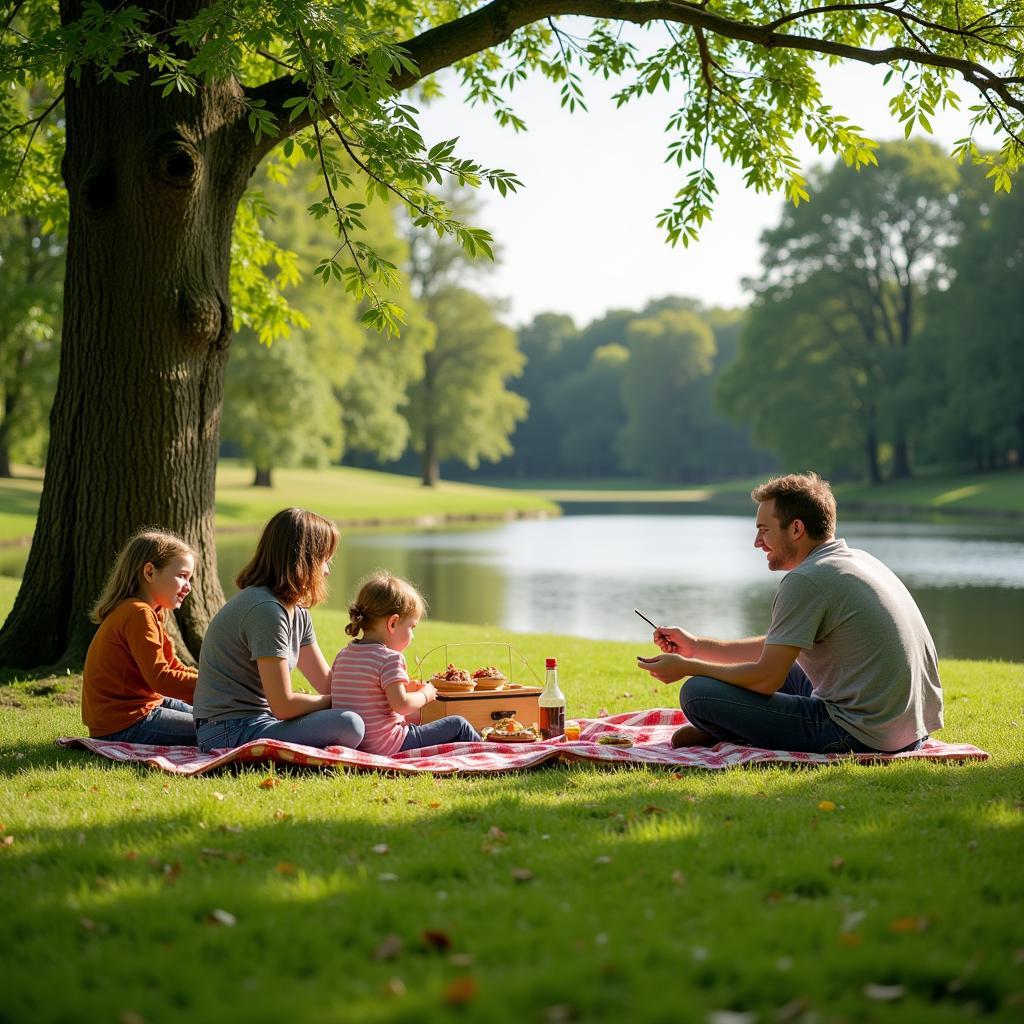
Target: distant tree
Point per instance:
(461, 408)
(588, 411)
(31, 270)
(671, 354)
(279, 408)
(545, 343)
(974, 378)
(843, 282)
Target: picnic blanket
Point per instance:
(651, 732)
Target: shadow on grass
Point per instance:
(635, 895)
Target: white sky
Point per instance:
(581, 237)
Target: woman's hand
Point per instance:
(666, 668)
(673, 640)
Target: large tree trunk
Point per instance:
(262, 478)
(901, 460)
(871, 458)
(153, 185)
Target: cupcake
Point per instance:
(453, 680)
(489, 678)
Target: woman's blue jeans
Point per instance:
(169, 725)
(327, 728)
(790, 719)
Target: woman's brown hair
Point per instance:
(380, 596)
(124, 579)
(290, 557)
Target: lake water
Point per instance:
(583, 575)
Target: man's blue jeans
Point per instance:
(327, 728)
(790, 719)
(169, 725)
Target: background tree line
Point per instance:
(886, 335)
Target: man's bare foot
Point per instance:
(691, 736)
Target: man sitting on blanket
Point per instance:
(847, 665)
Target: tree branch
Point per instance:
(495, 23)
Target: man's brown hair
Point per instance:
(803, 496)
(290, 557)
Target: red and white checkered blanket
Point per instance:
(651, 732)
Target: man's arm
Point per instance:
(673, 640)
(763, 675)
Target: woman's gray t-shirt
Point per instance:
(864, 645)
(253, 624)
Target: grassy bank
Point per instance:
(1000, 493)
(845, 894)
(348, 495)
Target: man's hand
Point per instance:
(673, 640)
(666, 668)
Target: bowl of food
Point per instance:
(489, 678)
(511, 730)
(453, 680)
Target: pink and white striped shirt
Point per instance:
(359, 676)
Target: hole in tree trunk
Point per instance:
(99, 190)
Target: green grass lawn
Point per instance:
(998, 492)
(569, 893)
(341, 493)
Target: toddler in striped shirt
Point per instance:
(370, 676)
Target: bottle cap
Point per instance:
(551, 663)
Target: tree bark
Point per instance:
(261, 478)
(147, 319)
(901, 460)
(871, 458)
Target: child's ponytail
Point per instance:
(380, 596)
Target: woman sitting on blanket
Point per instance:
(245, 690)
(134, 688)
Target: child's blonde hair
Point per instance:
(380, 596)
(125, 578)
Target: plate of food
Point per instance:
(489, 678)
(453, 680)
(511, 730)
(615, 739)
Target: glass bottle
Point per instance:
(551, 703)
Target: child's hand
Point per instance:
(429, 691)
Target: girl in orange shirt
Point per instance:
(134, 687)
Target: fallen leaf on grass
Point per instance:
(437, 939)
(217, 795)
(280, 815)
(381, 849)
(131, 854)
(654, 809)
(94, 789)
(558, 1013)
(496, 833)
(87, 924)
(220, 918)
(461, 959)
(837, 864)
(627, 694)
(389, 948)
(902, 925)
(604, 859)
(270, 782)
(131, 1017)
(851, 940)
(521, 875)
(171, 872)
(731, 1017)
(434, 804)
(395, 987)
(285, 868)
(793, 1010)
(884, 993)
(6, 841)
(826, 805)
(679, 879)
(461, 990)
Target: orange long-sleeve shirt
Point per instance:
(129, 669)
